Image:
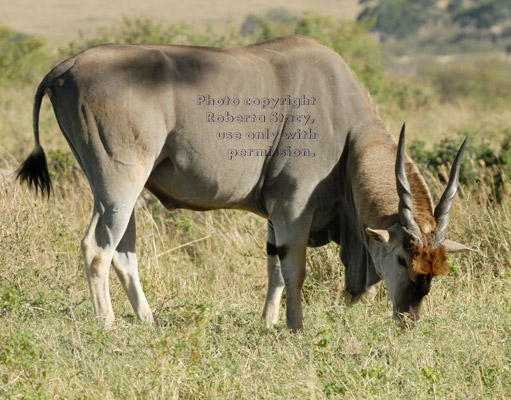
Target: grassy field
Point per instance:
(205, 278)
(208, 296)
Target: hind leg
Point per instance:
(105, 231)
(125, 265)
(112, 228)
(275, 281)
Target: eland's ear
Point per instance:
(454, 247)
(380, 235)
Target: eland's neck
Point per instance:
(372, 171)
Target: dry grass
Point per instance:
(208, 293)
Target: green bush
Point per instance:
(399, 18)
(145, 30)
(22, 57)
(485, 169)
(276, 22)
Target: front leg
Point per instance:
(292, 259)
(275, 281)
(292, 238)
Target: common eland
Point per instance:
(281, 129)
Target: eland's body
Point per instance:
(280, 129)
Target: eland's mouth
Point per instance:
(408, 319)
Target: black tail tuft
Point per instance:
(34, 172)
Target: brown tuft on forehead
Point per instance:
(429, 262)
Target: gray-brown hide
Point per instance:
(134, 118)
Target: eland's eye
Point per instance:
(402, 262)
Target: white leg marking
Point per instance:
(97, 262)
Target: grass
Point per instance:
(208, 296)
(205, 277)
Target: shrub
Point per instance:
(22, 57)
(145, 30)
(485, 169)
(275, 22)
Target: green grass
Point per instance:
(205, 278)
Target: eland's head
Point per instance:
(413, 250)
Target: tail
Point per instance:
(34, 170)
